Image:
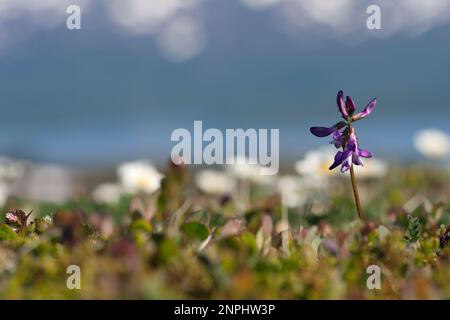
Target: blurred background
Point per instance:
(116, 89)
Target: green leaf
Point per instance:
(6, 233)
(413, 231)
(200, 215)
(140, 225)
(195, 230)
(217, 220)
(249, 242)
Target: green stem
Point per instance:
(355, 192)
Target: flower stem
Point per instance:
(355, 192)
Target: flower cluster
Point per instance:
(17, 220)
(344, 135)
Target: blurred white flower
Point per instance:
(11, 169)
(4, 193)
(292, 191)
(49, 182)
(244, 168)
(107, 193)
(316, 162)
(48, 219)
(214, 182)
(247, 169)
(314, 167)
(139, 175)
(373, 168)
(432, 143)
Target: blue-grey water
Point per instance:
(97, 96)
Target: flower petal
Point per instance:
(337, 160)
(341, 104)
(352, 142)
(350, 105)
(10, 218)
(325, 131)
(364, 153)
(346, 164)
(367, 110)
(338, 136)
(356, 160)
(321, 131)
(346, 160)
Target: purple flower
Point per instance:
(325, 131)
(350, 105)
(338, 136)
(347, 107)
(342, 105)
(344, 135)
(367, 110)
(351, 154)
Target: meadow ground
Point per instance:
(180, 242)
